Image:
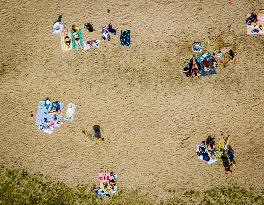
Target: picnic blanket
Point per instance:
(259, 28)
(45, 120)
(70, 112)
(125, 38)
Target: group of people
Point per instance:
(204, 63)
(212, 151)
(48, 116)
(107, 183)
(73, 36)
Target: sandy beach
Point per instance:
(151, 115)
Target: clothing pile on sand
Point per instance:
(49, 115)
(211, 152)
(107, 183)
(72, 36)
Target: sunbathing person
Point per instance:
(67, 40)
(206, 64)
(195, 69)
(75, 33)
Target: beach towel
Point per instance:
(47, 121)
(125, 38)
(73, 40)
(70, 112)
(65, 47)
(259, 28)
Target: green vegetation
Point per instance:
(20, 187)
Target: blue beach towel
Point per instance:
(125, 38)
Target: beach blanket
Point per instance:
(125, 38)
(259, 28)
(47, 121)
(74, 42)
(70, 112)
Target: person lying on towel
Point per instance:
(75, 33)
(67, 40)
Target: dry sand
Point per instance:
(151, 114)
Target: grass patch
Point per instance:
(20, 187)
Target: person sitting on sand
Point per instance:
(89, 27)
(213, 61)
(206, 64)
(47, 103)
(105, 33)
